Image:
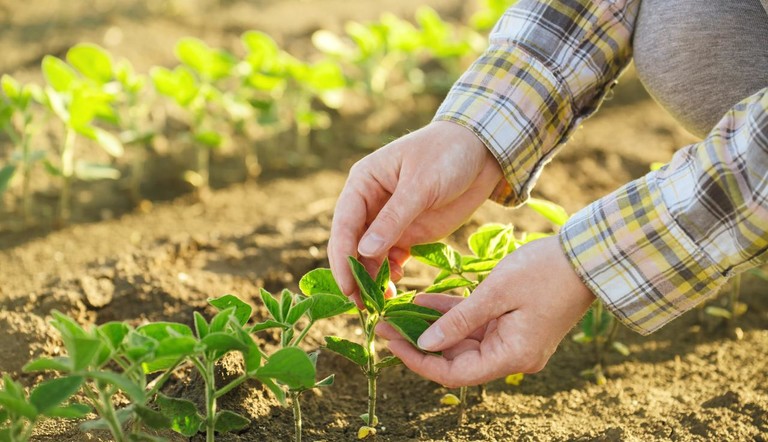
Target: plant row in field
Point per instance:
(92, 97)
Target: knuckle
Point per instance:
(389, 217)
(459, 321)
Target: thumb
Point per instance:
(405, 204)
(469, 315)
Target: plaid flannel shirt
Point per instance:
(659, 245)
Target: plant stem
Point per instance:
(296, 414)
(210, 401)
(733, 297)
(158, 383)
(303, 334)
(462, 404)
(372, 373)
(103, 405)
(203, 167)
(597, 317)
(67, 171)
(227, 388)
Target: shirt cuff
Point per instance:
(521, 111)
(630, 252)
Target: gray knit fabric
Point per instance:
(698, 58)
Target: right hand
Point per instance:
(417, 189)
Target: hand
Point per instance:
(417, 189)
(512, 323)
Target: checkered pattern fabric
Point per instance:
(659, 245)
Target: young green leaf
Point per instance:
(52, 392)
(114, 332)
(269, 324)
(290, 366)
(319, 281)
(63, 364)
(220, 343)
(325, 382)
(201, 325)
(298, 310)
(242, 310)
(409, 327)
(164, 330)
(449, 284)
(84, 351)
(478, 265)
(350, 350)
(411, 310)
(370, 292)
(286, 301)
(275, 389)
(382, 277)
(134, 391)
(549, 210)
(484, 240)
(226, 421)
(71, 411)
(326, 305)
(388, 361)
(6, 173)
(272, 305)
(220, 320)
(92, 61)
(153, 419)
(437, 255)
(60, 76)
(183, 414)
(17, 405)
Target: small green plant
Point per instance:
(16, 121)
(80, 102)
(409, 319)
(287, 314)
(20, 412)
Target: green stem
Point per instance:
(296, 414)
(164, 377)
(227, 388)
(462, 403)
(303, 334)
(597, 316)
(67, 172)
(103, 405)
(210, 401)
(372, 373)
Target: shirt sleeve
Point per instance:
(659, 245)
(548, 66)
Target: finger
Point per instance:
(462, 347)
(466, 369)
(347, 227)
(406, 203)
(387, 332)
(489, 301)
(443, 303)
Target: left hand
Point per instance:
(512, 323)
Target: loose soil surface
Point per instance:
(692, 381)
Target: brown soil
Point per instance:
(689, 382)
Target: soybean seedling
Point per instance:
(20, 412)
(79, 102)
(294, 315)
(409, 319)
(103, 361)
(193, 86)
(16, 121)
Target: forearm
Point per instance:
(660, 245)
(547, 68)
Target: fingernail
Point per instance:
(431, 338)
(370, 245)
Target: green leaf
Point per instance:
(67, 326)
(211, 64)
(325, 382)
(201, 325)
(298, 310)
(242, 309)
(179, 84)
(485, 240)
(272, 305)
(71, 411)
(262, 45)
(17, 406)
(183, 414)
(220, 320)
(6, 174)
(449, 284)
(137, 346)
(114, 332)
(176, 346)
(549, 210)
(411, 310)
(52, 392)
(286, 301)
(319, 281)
(135, 392)
(226, 421)
(58, 74)
(409, 327)
(11, 87)
(591, 324)
(252, 356)
(208, 138)
(92, 61)
(373, 296)
(221, 342)
(388, 361)
(275, 389)
(269, 324)
(63, 364)
(350, 350)
(437, 255)
(326, 305)
(110, 143)
(291, 366)
(153, 419)
(382, 277)
(84, 352)
(478, 265)
(162, 330)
